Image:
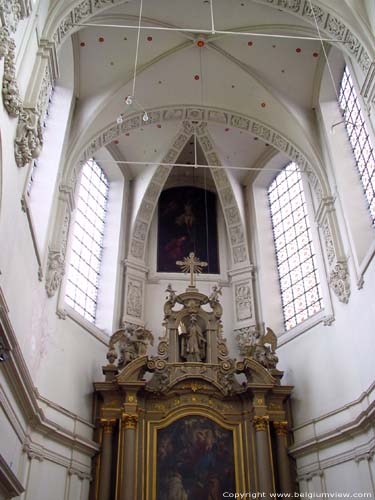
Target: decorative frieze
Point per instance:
(235, 120)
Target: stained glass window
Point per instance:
(299, 281)
(359, 139)
(87, 243)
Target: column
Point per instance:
(283, 463)
(263, 455)
(106, 460)
(129, 426)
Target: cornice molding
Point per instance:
(360, 424)
(358, 454)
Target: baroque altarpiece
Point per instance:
(190, 423)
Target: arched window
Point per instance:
(87, 241)
(296, 262)
(359, 139)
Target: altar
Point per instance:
(191, 423)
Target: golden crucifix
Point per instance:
(191, 265)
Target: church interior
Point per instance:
(187, 249)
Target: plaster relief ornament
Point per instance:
(243, 302)
(29, 138)
(339, 282)
(55, 272)
(11, 95)
(134, 300)
(4, 37)
(10, 14)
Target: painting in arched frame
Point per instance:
(195, 460)
(187, 223)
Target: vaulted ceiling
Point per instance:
(264, 70)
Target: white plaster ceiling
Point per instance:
(249, 74)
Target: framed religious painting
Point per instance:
(187, 222)
(195, 457)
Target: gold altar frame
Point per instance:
(153, 426)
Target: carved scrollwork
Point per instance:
(29, 138)
(339, 281)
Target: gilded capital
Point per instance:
(260, 423)
(108, 425)
(129, 421)
(281, 428)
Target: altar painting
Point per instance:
(187, 223)
(195, 460)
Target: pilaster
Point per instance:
(339, 279)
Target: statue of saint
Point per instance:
(193, 343)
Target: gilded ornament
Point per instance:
(260, 423)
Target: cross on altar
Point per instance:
(191, 265)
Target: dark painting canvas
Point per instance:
(195, 460)
(187, 223)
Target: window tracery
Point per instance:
(359, 139)
(87, 241)
(296, 261)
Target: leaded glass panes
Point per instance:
(296, 262)
(86, 253)
(359, 139)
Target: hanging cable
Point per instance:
(212, 17)
(137, 46)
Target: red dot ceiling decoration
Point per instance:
(315, 54)
(250, 43)
(200, 43)
(101, 39)
(298, 50)
(82, 44)
(196, 77)
(149, 38)
(263, 104)
(227, 130)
